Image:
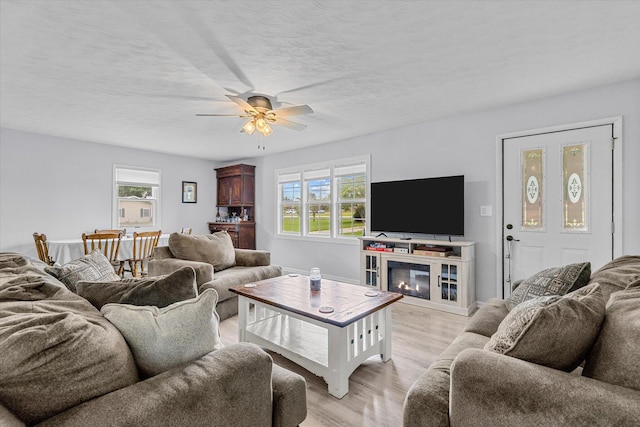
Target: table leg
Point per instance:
(386, 340)
(243, 310)
(338, 379)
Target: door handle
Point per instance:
(510, 238)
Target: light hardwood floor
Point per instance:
(376, 389)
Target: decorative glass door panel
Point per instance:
(575, 185)
(371, 269)
(532, 189)
(448, 282)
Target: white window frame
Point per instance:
(309, 172)
(147, 179)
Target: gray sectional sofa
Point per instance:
(64, 364)
(470, 386)
(217, 263)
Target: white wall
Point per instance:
(464, 144)
(62, 187)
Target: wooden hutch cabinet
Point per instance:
(236, 195)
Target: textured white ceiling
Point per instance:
(135, 73)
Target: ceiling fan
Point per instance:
(261, 114)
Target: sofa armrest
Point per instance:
(160, 267)
(252, 257)
(289, 397)
(227, 387)
(492, 389)
(162, 252)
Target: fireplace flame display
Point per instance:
(409, 279)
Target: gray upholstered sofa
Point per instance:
(471, 386)
(62, 363)
(217, 263)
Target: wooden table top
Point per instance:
(293, 294)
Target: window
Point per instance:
(324, 200)
(136, 197)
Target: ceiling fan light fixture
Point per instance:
(266, 131)
(249, 127)
(261, 123)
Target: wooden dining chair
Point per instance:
(143, 244)
(185, 230)
(43, 248)
(107, 243)
(99, 231)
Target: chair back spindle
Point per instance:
(143, 245)
(42, 247)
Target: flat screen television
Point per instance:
(422, 206)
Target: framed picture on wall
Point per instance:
(189, 192)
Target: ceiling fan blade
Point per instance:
(225, 115)
(293, 111)
(289, 124)
(242, 103)
(205, 31)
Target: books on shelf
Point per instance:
(371, 248)
(379, 247)
(437, 251)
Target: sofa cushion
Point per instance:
(163, 338)
(617, 274)
(553, 330)
(94, 266)
(614, 358)
(216, 249)
(552, 281)
(160, 291)
(486, 320)
(57, 350)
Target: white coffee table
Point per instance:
(283, 315)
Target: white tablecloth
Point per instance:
(63, 251)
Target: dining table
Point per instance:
(65, 250)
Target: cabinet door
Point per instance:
(248, 190)
(247, 237)
(224, 191)
(235, 188)
(449, 283)
(370, 270)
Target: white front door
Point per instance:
(558, 200)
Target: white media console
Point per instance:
(432, 273)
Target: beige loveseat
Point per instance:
(471, 386)
(62, 363)
(217, 263)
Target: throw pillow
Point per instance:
(552, 281)
(216, 249)
(163, 338)
(614, 358)
(94, 266)
(553, 330)
(160, 291)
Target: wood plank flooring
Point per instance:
(376, 389)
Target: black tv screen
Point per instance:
(421, 206)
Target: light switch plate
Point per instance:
(486, 211)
